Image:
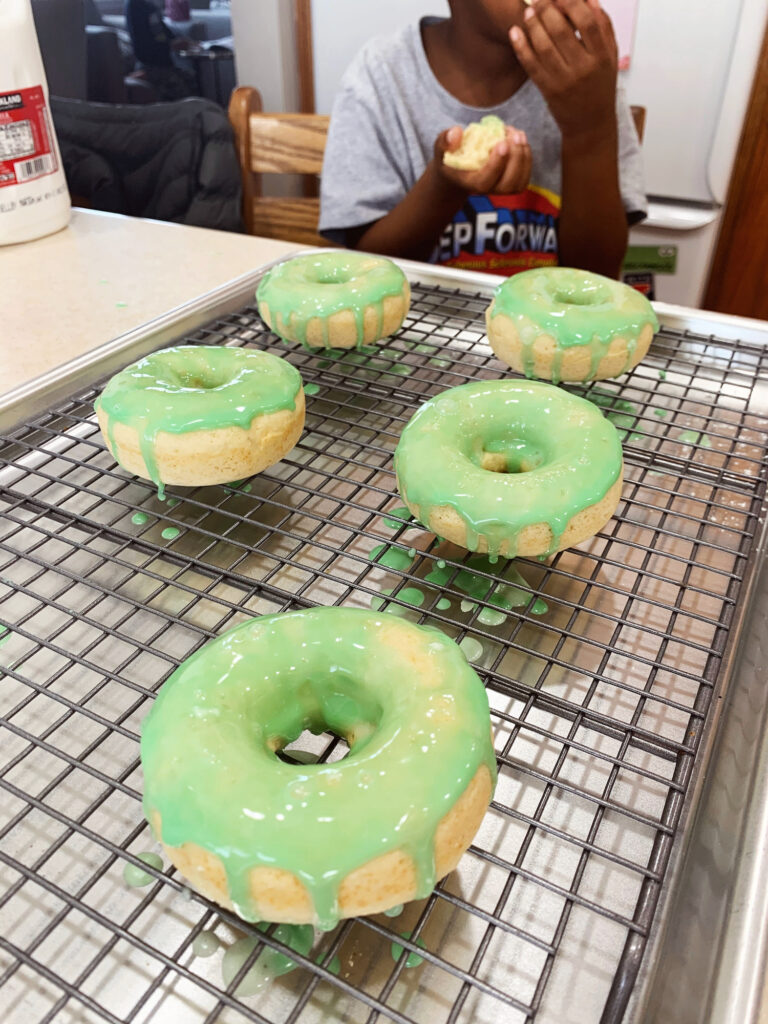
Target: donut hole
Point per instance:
(328, 274)
(325, 723)
(510, 455)
(312, 748)
(581, 293)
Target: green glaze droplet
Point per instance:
(394, 911)
(255, 689)
(5, 637)
(662, 374)
(195, 387)
(473, 649)
(139, 518)
(205, 944)
(173, 502)
(311, 288)
(411, 552)
(491, 617)
(562, 453)
(440, 563)
(412, 595)
(443, 604)
(395, 517)
(468, 606)
(311, 389)
(661, 413)
(134, 877)
(392, 558)
(170, 533)
(413, 959)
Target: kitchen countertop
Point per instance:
(104, 275)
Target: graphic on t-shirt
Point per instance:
(503, 234)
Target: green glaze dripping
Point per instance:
(507, 592)
(395, 517)
(134, 877)
(205, 944)
(413, 712)
(170, 533)
(139, 518)
(195, 387)
(393, 558)
(269, 963)
(413, 959)
(575, 307)
(394, 911)
(573, 450)
(314, 287)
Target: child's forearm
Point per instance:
(412, 229)
(593, 224)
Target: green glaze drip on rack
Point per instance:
(255, 689)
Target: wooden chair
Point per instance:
(638, 116)
(278, 144)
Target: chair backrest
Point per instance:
(638, 116)
(278, 144)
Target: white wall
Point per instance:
(264, 50)
(340, 27)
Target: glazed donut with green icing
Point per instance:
(313, 843)
(559, 324)
(201, 414)
(510, 467)
(334, 299)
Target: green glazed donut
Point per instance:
(557, 324)
(510, 467)
(334, 299)
(312, 843)
(202, 414)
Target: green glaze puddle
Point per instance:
(170, 533)
(311, 389)
(468, 606)
(205, 944)
(443, 604)
(694, 437)
(621, 413)
(395, 517)
(392, 558)
(269, 964)
(139, 518)
(412, 595)
(661, 413)
(134, 877)
(413, 959)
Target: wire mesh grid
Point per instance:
(601, 665)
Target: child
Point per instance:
(562, 187)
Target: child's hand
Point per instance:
(506, 171)
(577, 76)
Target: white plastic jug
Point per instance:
(34, 200)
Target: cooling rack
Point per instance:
(603, 667)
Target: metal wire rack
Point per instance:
(602, 670)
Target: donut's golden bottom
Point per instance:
(202, 457)
(381, 883)
(340, 329)
(575, 363)
(531, 541)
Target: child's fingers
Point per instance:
(529, 60)
(449, 140)
(539, 38)
(517, 170)
(583, 16)
(548, 17)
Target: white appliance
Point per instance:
(692, 68)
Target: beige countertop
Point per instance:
(104, 275)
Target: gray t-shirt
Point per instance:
(384, 123)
